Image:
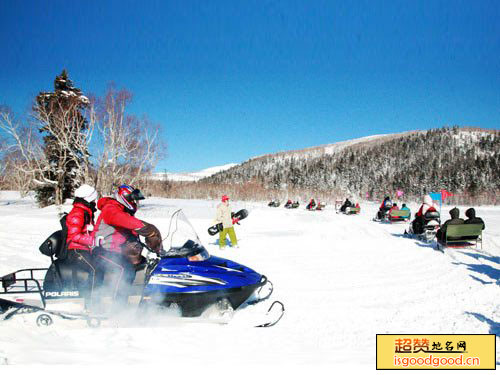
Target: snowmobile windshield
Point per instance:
(182, 240)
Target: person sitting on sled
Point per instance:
(420, 221)
(455, 219)
(117, 234)
(393, 208)
(384, 207)
(79, 242)
(346, 204)
(223, 215)
(473, 219)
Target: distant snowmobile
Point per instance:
(320, 206)
(311, 205)
(432, 222)
(185, 278)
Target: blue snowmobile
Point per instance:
(185, 278)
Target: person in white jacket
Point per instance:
(223, 216)
(419, 221)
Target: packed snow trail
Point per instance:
(343, 279)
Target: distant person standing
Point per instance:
(223, 216)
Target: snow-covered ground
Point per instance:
(343, 279)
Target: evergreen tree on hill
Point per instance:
(62, 124)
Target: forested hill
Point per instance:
(465, 161)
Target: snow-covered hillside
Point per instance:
(192, 176)
(327, 149)
(462, 160)
(343, 279)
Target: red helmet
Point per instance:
(225, 198)
(128, 196)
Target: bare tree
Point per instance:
(22, 151)
(127, 147)
(26, 160)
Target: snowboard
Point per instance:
(238, 216)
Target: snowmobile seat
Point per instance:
(59, 276)
(462, 235)
(62, 275)
(431, 215)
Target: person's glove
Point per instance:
(132, 250)
(152, 235)
(236, 221)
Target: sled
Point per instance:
(399, 216)
(311, 207)
(22, 292)
(462, 236)
(352, 210)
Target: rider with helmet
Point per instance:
(118, 249)
(385, 206)
(420, 221)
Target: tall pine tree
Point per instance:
(62, 124)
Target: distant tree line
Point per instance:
(463, 161)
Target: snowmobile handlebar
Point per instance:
(159, 252)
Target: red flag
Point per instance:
(445, 194)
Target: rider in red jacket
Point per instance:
(115, 225)
(80, 223)
(78, 269)
(118, 250)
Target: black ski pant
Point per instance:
(382, 212)
(115, 273)
(418, 225)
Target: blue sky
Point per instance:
(229, 80)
